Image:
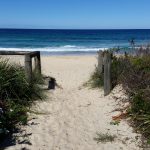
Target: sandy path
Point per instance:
(74, 114)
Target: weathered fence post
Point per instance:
(107, 73)
(28, 61)
(37, 60)
(28, 67)
(100, 62)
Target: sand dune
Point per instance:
(73, 115)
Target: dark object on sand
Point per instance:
(52, 83)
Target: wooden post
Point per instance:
(37, 60)
(28, 61)
(107, 73)
(28, 67)
(35, 64)
(100, 62)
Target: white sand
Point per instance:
(75, 113)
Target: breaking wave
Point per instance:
(66, 48)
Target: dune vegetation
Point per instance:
(132, 71)
(16, 96)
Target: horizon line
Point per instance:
(77, 28)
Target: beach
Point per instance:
(74, 75)
(73, 114)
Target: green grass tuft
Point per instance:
(96, 80)
(104, 137)
(16, 96)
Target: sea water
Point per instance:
(54, 41)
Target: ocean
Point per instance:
(53, 41)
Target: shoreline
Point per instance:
(65, 53)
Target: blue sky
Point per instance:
(78, 14)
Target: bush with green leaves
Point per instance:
(96, 80)
(117, 67)
(136, 81)
(133, 72)
(16, 96)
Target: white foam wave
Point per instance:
(69, 46)
(66, 48)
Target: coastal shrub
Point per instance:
(136, 81)
(16, 96)
(133, 72)
(97, 79)
(117, 67)
(126, 68)
(134, 75)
